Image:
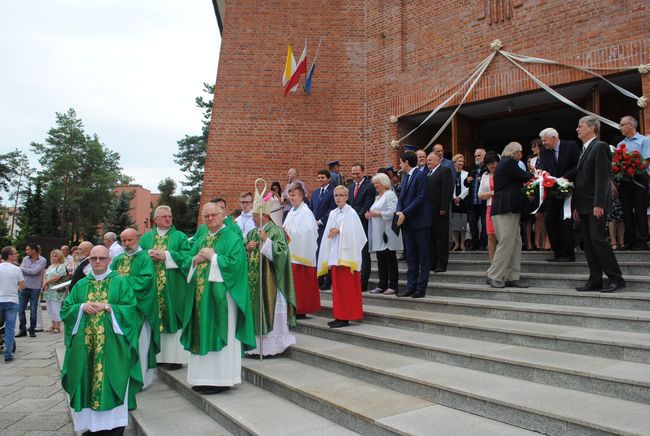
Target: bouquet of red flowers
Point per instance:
(626, 165)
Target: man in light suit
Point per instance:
(591, 197)
(559, 159)
(322, 202)
(440, 192)
(414, 218)
(361, 196)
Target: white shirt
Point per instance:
(586, 144)
(245, 222)
(115, 250)
(10, 276)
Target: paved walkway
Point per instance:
(32, 401)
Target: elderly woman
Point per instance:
(486, 192)
(340, 251)
(382, 238)
(53, 274)
(507, 205)
(458, 206)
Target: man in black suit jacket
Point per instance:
(322, 202)
(83, 268)
(361, 196)
(591, 198)
(559, 159)
(414, 218)
(440, 192)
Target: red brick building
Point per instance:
(143, 203)
(384, 58)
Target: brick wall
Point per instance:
(381, 58)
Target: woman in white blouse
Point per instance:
(381, 238)
(458, 207)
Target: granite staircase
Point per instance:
(465, 360)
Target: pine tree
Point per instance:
(119, 217)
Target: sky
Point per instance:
(130, 69)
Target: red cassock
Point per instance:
(346, 294)
(305, 283)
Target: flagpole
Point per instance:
(259, 248)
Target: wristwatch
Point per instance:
(106, 307)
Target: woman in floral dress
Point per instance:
(53, 274)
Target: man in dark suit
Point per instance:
(414, 218)
(476, 207)
(83, 267)
(591, 197)
(439, 149)
(322, 202)
(559, 159)
(361, 196)
(440, 192)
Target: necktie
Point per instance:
(356, 190)
(431, 172)
(555, 153)
(406, 182)
(322, 192)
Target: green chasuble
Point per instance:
(205, 326)
(171, 284)
(138, 270)
(276, 276)
(203, 229)
(99, 363)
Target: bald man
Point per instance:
(83, 267)
(100, 370)
(135, 265)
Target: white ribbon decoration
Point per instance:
(539, 176)
(534, 60)
(567, 207)
(478, 76)
(560, 97)
(480, 66)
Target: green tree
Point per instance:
(192, 151)
(80, 174)
(119, 217)
(184, 218)
(15, 173)
(30, 215)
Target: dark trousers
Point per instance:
(559, 230)
(439, 251)
(416, 244)
(598, 252)
(387, 269)
(24, 296)
(365, 267)
(476, 212)
(634, 201)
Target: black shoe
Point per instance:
(38, 330)
(418, 294)
(174, 366)
(589, 287)
(613, 286)
(32, 334)
(301, 316)
(640, 246)
(21, 334)
(439, 270)
(338, 323)
(406, 293)
(494, 283)
(9, 359)
(516, 284)
(210, 390)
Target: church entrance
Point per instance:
(494, 123)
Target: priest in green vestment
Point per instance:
(100, 371)
(228, 222)
(138, 270)
(218, 322)
(276, 311)
(168, 248)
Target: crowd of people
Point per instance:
(237, 286)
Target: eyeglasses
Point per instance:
(245, 202)
(98, 258)
(625, 124)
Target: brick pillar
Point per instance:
(644, 117)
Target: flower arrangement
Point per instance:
(556, 187)
(625, 164)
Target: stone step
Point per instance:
(540, 280)
(364, 406)
(163, 412)
(578, 316)
(621, 256)
(247, 409)
(536, 407)
(619, 345)
(578, 267)
(609, 377)
(565, 297)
